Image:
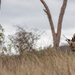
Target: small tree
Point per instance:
(23, 40)
(1, 37)
(56, 35)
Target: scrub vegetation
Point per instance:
(44, 62)
(30, 61)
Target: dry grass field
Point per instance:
(44, 62)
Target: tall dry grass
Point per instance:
(47, 62)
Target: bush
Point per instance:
(2, 36)
(24, 40)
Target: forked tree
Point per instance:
(56, 35)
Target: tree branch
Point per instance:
(61, 17)
(47, 11)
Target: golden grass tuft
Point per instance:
(47, 62)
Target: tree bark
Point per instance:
(61, 15)
(47, 11)
(56, 35)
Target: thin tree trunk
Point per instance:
(0, 4)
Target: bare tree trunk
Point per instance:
(0, 4)
(56, 36)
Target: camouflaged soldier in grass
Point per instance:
(72, 43)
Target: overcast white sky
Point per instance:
(29, 13)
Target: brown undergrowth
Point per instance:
(43, 62)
